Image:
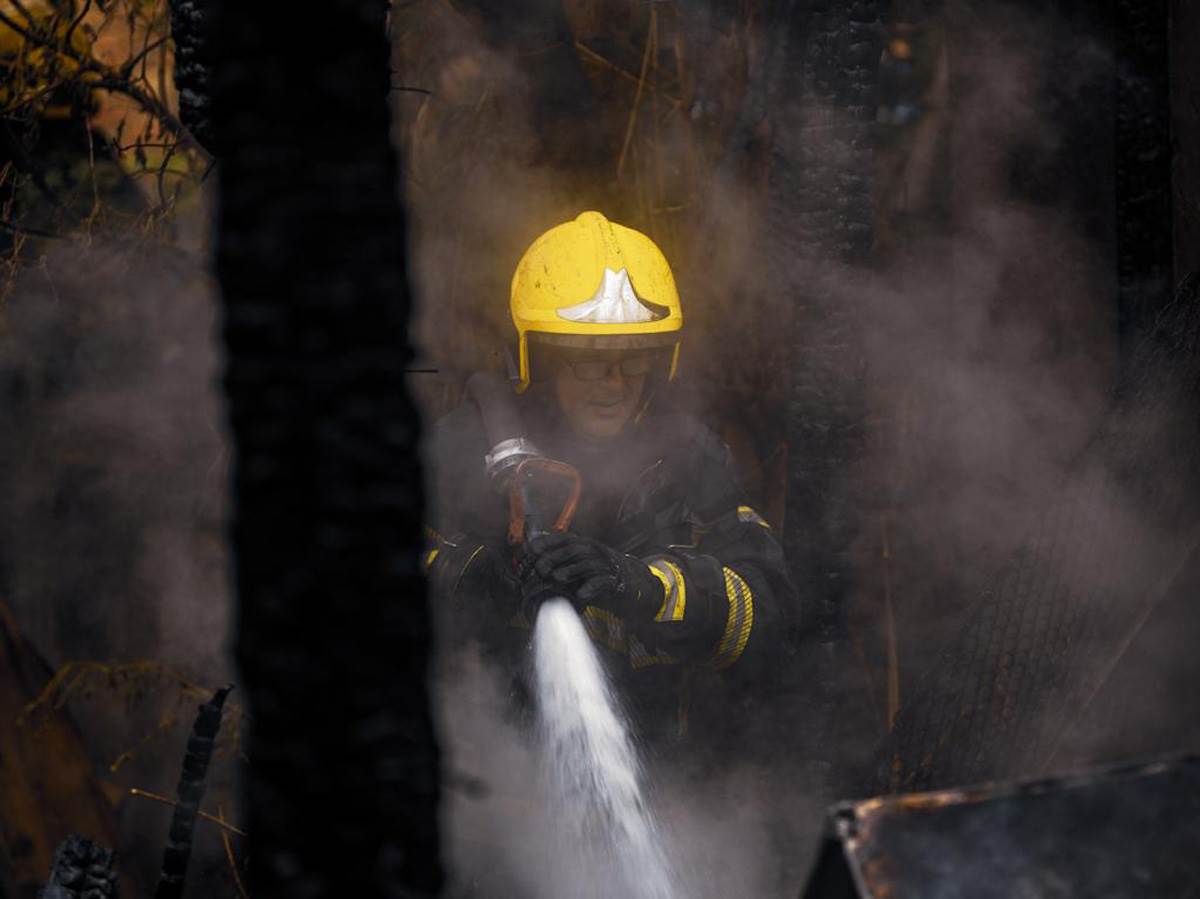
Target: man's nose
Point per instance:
(613, 376)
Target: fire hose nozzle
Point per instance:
(502, 424)
(504, 458)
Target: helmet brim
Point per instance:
(662, 340)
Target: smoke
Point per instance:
(503, 834)
(988, 326)
(113, 465)
(115, 458)
(1027, 515)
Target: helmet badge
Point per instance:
(614, 303)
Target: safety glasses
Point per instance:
(633, 366)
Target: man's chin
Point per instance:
(603, 427)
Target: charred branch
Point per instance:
(190, 791)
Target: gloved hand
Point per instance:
(534, 589)
(590, 573)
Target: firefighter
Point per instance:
(676, 576)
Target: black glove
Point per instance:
(589, 573)
(534, 589)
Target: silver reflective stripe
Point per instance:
(674, 590)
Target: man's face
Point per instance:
(600, 390)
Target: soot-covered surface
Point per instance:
(1127, 831)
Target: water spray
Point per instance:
(593, 762)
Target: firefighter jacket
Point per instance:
(664, 492)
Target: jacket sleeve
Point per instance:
(727, 589)
(473, 587)
(465, 558)
(722, 593)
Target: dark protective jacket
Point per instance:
(663, 491)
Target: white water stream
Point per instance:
(594, 764)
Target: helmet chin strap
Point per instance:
(648, 393)
(511, 370)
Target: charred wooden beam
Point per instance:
(1145, 271)
(188, 24)
(820, 217)
(333, 629)
(1185, 131)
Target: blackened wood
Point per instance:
(820, 222)
(82, 869)
(1124, 831)
(1185, 132)
(333, 629)
(188, 22)
(1143, 157)
(189, 792)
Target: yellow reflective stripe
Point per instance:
(682, 712)
(640, 657)
(430, 556)
(605, 628)
(674, 590)
(608, 630)
(739, 622)
(745, 513)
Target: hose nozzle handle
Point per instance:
(525, 519)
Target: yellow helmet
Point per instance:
(596, 284)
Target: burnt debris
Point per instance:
(190, 791)
(82, 870)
